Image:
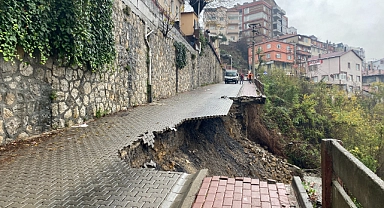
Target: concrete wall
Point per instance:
(351, 174)
(36, 98)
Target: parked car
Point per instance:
(231, 76)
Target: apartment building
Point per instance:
(276, 54)
(171, 8)
(374, 72)
(302, 50)
(344, 47)
(319, 47)
(257, 12)
(279, 22)
(216, 20)
(337, 68)
(291, 30)
(235, 22)
(233, 25)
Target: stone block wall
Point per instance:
(36, 98)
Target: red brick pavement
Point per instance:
(224, 192)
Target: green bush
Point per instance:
(181, 55)
(76, 32)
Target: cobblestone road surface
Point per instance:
(80, 167)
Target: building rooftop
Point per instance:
(332, 55)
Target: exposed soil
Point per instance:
(217, 144)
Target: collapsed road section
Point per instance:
(222, 144)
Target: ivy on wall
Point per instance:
(76, 32)
(181, 55)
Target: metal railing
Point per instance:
(346, 180)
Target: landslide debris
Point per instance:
(217, 144)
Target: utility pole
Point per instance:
(254, 30)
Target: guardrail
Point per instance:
(344, 176)
(259, 85)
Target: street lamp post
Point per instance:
(230, 56)
(254, 28)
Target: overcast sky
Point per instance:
(358, 23)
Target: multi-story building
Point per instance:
(233, 25)
(171, 8)
(344, 47)
(302, 51)
(373, 72)
(276, 54)
(292, 31)
(257, 13)
(235, 22)
(338, 68)
(279, 22)
(319, 47)
(216, 20)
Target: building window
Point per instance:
(325, 78)
(313, 68)
(288, 49)
(289, 57)
(350, 89)
(358, 67)
(343, 76)
(349, 65)
(336, 76)
(269, 46)
(278, 46)
(177, 13)
(278, 55)
(268, 55)
(246, 10)
(350, 78)
(232, 38)
(358, 78)
(315, 79)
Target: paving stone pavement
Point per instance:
(79, 167)
(240, 192)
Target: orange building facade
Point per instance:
(276, 54)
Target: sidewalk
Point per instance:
(80, 167)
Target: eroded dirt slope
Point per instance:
(217, 144)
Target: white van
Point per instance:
(231, 76)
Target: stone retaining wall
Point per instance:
(36, 98)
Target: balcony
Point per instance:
(277, 30)
(277, 17)
(277, 9)
(304, 52)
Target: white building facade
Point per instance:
(338, 68)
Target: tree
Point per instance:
(198, 5)
(260, 55)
